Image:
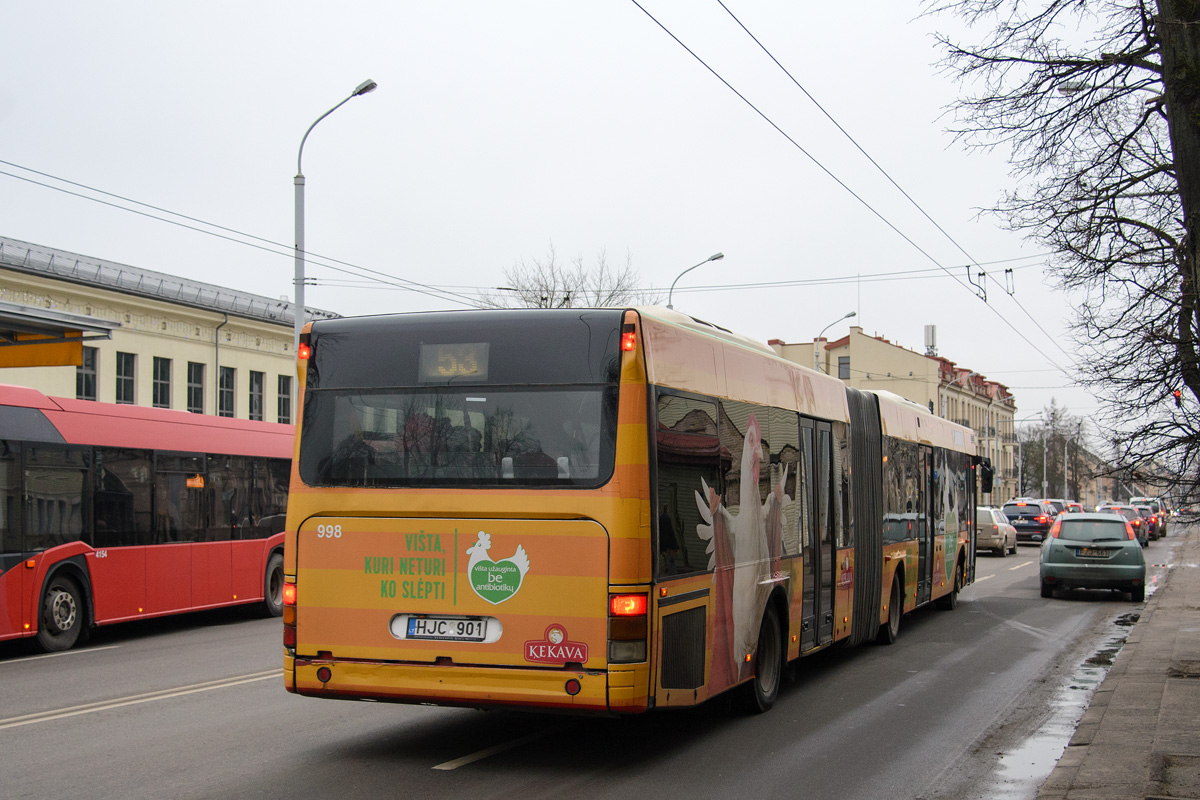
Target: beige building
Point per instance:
(949, 391)
(177, 343)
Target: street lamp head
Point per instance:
(716, 256)
(670, 294)
(366, 86)
(851, 314)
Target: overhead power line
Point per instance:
(317, 259)
(842, 184)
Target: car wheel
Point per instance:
(1002, 550)
(1047, 589)
(1138, 594)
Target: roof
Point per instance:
(88, 271)
(51, 325)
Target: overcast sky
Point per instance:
(502, 129)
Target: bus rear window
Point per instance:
(502, 436)
(481, 398)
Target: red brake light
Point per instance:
(627, 605)
(1129, 531)
(1055, 528)
(289, 594)
(304, 351)
(1042, 518)
(628, 340)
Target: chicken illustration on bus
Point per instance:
(744, 556)
(495, 581)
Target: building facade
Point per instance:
(947, 390)
(180, 344)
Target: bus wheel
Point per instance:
(273, 586)
(949, 602)
(890, 630)
(768, 664)
(61, 617)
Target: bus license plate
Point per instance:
(453, 629)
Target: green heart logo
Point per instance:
(496, 581)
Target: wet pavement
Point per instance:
(1140, 735)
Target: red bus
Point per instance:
(111, 513)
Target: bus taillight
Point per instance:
(627, 628)
(628, 337)
(289, 616)
(627, 605)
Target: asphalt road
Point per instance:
(194, 707)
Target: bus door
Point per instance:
(825, 511)
(805, 491)
(925, 527)
(816, 533)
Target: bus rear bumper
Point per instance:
(471, 686)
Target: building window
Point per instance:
(256, 395)
(195, 392)
(125, 369)
(85, 376)
(843, 367)
(162, 383)
(285, 399)
(225, 392)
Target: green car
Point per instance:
(1093, 551)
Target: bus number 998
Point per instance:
(329, 531)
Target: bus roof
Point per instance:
(86, 422)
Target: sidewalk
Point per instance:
(1140, 737)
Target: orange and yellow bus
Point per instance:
(602, 510)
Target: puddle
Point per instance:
(1022, 770)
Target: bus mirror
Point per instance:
(985, 475)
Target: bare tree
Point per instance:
(1097, 102)
(547, 283)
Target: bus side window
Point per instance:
(688, 458)
(121, 498)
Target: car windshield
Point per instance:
(1092, 530)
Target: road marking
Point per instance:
(984, 578)
(1020, 566)
(132, 700)
(81, 652)
(500, 748)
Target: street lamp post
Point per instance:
(817, 343)
(298, 312)
(713, 257)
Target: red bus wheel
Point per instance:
(61, 617)
(273, 586)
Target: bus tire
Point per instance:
(61, 615)
(949, 602)
(273, 586)
(890, 630)
(763, 688)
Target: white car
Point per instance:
(994, 532)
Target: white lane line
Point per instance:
(80, 652)
(1020, 566)
(984, 578)
(132, 700)
(500, 748)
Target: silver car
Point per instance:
(994, 532)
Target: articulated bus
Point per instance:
(111, 513)
(599, 511)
